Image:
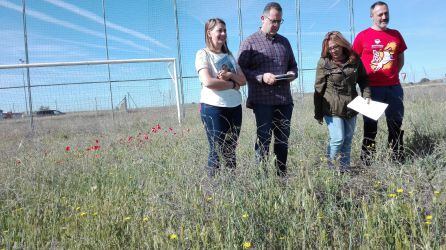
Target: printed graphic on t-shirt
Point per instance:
(224, 63)
(382, 55)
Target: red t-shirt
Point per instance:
(379, 51)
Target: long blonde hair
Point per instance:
(210, 24)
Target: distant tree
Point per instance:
(44, 108)
(424, 80)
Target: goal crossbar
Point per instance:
(57, 64)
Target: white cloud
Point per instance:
(13, 48)
(46, 18)
(98, 19)
(336, 2)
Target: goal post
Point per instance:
(118, 77)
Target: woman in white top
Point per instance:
(220, 101)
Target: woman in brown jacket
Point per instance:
(338, 71)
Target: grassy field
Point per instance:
(139, 182)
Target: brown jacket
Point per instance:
(335, 87)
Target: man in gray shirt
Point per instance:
(268, 63)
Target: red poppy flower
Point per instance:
(94, 148)
(67, 148)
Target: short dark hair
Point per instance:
(378, 3)
(272, 5)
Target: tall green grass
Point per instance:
(122, 185)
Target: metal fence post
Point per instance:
(351, 20)
(108, 58)
(180, 68)
(299, 50)
(28, 78)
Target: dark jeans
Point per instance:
(273, 119)
(222, 127)
(392, 95)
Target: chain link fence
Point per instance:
(48, 31)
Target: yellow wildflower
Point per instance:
(245, 216)
(399, 190)
(436, 192)
(173, 236)
(209, 198)
(391, 195)
(78, 208)
(83, 214)
(281, 237)
(247, 245)
(127, 218)
(429, 217)
(145, 219)
(428, 222)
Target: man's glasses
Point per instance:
(275, 21)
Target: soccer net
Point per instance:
(147, 86)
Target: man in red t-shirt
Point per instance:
(382, 52)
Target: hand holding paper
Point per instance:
(372, 110)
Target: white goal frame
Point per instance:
(178, 95)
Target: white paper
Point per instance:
(372, 110)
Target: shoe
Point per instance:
(345, 170)
(211, 172)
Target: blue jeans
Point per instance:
(341, 132)
(273, 119)
(222, 127)
(392, 95)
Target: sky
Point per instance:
(67, 30)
